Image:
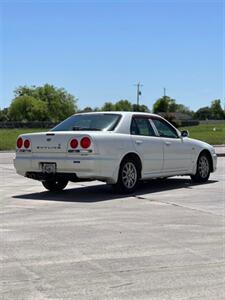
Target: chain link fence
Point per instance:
(33, 124)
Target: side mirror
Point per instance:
(184, 133)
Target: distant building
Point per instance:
(179, 119)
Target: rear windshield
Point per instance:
(89, 122)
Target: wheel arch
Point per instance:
(207, 152)
(134, 156)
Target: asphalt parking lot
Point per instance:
(165, 242)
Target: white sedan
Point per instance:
(119, 148)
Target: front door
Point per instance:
(177, 150)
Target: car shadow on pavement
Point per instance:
(161, 185)
(104, 192)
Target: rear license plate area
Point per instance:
(48, 168)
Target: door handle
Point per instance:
(139, 142)
(168, 143)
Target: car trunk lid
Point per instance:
(56, 142)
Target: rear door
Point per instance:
(147, 145)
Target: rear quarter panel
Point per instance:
(112, 147)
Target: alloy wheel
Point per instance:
(203, 167)
(129, 175)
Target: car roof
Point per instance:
(124, 113)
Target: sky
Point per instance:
(98, 50)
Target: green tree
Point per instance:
(108, 106)
(164, 104)
(140, 108)
(60, 104)
(25, 91)
(167, 104)
(172, 105)
(184, 109)
(85, 110)
(4, 115)
(27, 108)
(203, 113)
(217, 112)
(123, 105)
(96, 109)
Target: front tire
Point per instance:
(203, 169)
(128, 176)
(55, 185)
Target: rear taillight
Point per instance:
(74, 144)
(27, 144)
(19, 143)
(85, 142)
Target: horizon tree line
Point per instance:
(49, 103)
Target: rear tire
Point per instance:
(128, 178)
(203, 169)
(55, 185)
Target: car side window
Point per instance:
(164, 129)
(141, 126)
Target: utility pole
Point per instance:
(138, 85)
(164, 92)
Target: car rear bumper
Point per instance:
(89, 167)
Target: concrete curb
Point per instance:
(220, 150)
